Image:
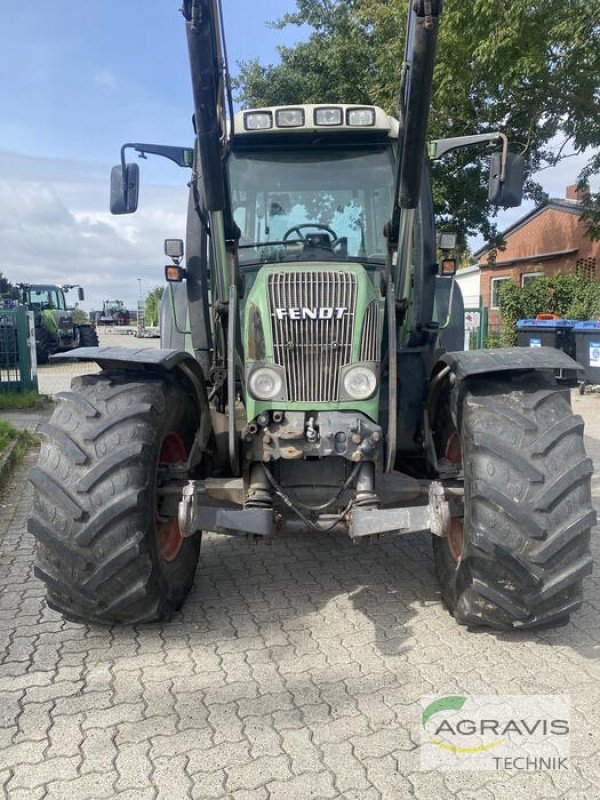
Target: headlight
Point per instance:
(265, 383)
(258, 120)
(360, 383)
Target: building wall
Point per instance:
(552, 230)
(549, 231)
(469, 281)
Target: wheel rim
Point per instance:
(170, 540)
(456, 537)
(454, 449)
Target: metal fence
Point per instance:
(18, 364)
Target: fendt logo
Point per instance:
(301, 312)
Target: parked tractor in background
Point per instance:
(309, 381)
(113, 313)
(56, 329)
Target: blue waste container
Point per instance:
(587, 349)
(557, 333)
(547, 333)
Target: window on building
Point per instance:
(494, 289)
(530, 276)
(586, 268)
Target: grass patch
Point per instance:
(19, 400)
(8, 434)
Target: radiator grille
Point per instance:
(369, 340)
(312, 351)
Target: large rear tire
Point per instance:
(105, 551)
(87, 336)
(518, 557)
(42, 345)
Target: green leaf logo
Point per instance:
(448, 703)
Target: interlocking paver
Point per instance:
(30, 776)
(133, 766)
(295, 669)
(94, 786)
(257, 773)
(309, 785)
(29, 794)
(170, 778)
(99, 750)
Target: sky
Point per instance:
(77, 80)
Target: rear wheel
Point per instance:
(87, 336)
(518, 556)
(42, 345)
(108, 548)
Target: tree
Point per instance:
(152, 305)
(528, 69)
(6, 288)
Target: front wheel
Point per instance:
(518, 556)
(108, 545)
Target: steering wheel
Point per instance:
(298, 230)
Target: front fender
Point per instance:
(468, 363)
(178, 362)
(453, 369)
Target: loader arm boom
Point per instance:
(415, 100)
(213, 119)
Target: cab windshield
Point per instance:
(317, 203)
(46, 297)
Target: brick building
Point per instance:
(549, 239)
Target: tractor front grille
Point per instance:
(369, 340)
(312, 319)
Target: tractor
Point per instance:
(311, 373)
(55, 328)
(113, 313)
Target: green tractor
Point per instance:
(311, 374)
(113, 312)
(55, 327)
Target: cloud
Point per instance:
(55, 228)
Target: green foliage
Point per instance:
(8, 435)
(528, 69)
(18, 400)
(6, 288)
(566, 294)
(79, 316)
(152, 304)
(493, 341)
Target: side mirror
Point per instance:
(80, 293)
(506, 189)
(124, 189)
(174, 248)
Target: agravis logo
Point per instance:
(495, 732)
(444, 727)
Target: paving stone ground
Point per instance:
(294, 670)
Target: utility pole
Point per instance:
(140, 311)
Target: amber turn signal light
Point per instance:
(448, 267)
(174, 273)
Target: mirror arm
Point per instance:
(182, 156)
(439, 147)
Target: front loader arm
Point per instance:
(204, 34)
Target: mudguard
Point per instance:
(143, 358)
(509, 359)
